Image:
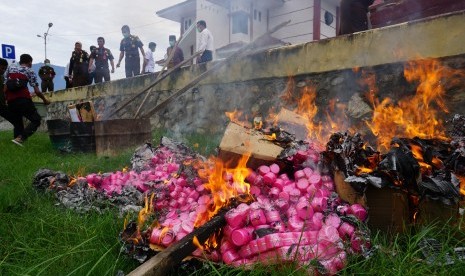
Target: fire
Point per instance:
(332, 117)
(361, 170)
(224, 184)
(462, 184)
(418, 154)
(238, 117)
(196, 242)
(146, 211)
(417, 115)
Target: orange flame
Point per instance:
(238, 117)
(146, 211)
(462, 184)
(222, 190)
(417, 115)
(361, 170)
(318, 129)
(196, 242)
(418, 154)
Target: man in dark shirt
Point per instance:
(46, 74)
(130, 46)
(354, 16)
(178, 55)
(101, 56)
(79, 66)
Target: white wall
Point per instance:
(259, 26)
(217, 20)
(300, 29)
(328, 31)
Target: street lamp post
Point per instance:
(45, 38)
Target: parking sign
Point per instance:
(8, 51)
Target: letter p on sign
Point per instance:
(8, 51)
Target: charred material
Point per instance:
(400, 167)
(77, 195)
(423, 167)
(45, 179)
(457, 126)
(348, 153)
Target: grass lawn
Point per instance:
(39, 238)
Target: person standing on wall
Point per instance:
(178, 55)
(46, 74)
(19, 99)
(354, 16)
(92, 66)
(149, 63)
(4, 112)
(205, 42)
(130, 46)
(67, 77)
(79, 66)
(101, 56)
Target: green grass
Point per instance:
(39, 238)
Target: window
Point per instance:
(329, 18)
(187, 24)
(255, 14)
(260, 16)
(240, 23)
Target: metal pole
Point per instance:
(45, 42)
(45, 38)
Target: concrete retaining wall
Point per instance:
(256, 83)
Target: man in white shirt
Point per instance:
(149, 62)
(205, 42)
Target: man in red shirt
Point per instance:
(19, 99)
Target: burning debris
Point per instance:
(268, 215)
(284, 207)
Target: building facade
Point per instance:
(235, 23)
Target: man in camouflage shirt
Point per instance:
(130, 46)
(46, 74)
(101, 56)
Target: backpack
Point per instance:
(15, 83)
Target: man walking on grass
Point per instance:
(3, 107)
(19, 99)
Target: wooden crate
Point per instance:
(114, 136)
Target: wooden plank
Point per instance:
(162, 263)
(170, 57)
(212, 69)
(164, 75)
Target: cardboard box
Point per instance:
(433, 211)
(238, 141)
(388, 209)
(82, 112)
(293, 123)
(346, 192)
